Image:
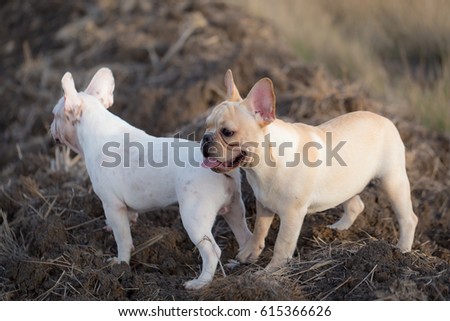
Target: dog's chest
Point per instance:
(267, 194)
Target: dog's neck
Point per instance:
(264, 170)
(97, 124)
(275, 151)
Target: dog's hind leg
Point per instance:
(198, 221)
(352, 208)
(396, 185)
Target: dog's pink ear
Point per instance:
(261, 101)
(72, 103)
(232, 92)
(102, 87)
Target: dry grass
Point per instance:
(431, 102)
(340, 270)
(399, 50)
(9, 245)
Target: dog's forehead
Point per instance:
(223, 114)
(215, 114)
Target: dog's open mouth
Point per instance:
(222, 167)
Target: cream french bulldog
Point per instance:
(133, 172)
(295, 169)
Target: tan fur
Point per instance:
(371, 148)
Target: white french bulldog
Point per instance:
(133, 172)
(296, 169)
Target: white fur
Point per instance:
(124, 192)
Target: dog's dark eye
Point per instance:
(226, 132)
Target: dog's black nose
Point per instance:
(207, 139)
(57, 141)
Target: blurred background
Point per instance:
(398, 50)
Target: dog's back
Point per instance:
(370, 145)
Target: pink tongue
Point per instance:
(210, 163)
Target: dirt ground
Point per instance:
(169, 58)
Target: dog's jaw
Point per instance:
(224, 167)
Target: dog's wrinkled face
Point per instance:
(69, 109)
(235, 126)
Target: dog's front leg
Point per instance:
(290, 225)
(117, 218)
(237, 221)
(254, 246)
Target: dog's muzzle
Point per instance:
(208, 146)
(213, 150)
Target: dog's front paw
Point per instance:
(195, 284)
(273, 267)
(115, 260)
(250, 252)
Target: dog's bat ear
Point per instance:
(232, 92)
(261, 101)
(102, 87)
(72, 103)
